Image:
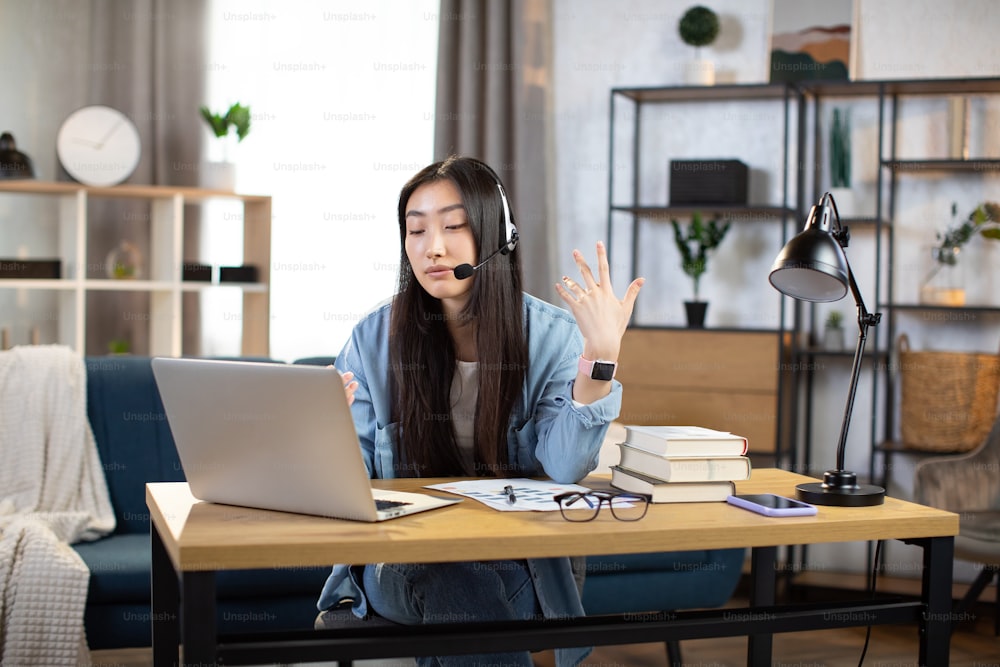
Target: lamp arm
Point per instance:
(865, 320)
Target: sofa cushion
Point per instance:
(132, 434)
(119, 568)
(120, 571)
(665, 581)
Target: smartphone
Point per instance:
(769, 504)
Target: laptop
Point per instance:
(273, 436)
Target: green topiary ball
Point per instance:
(699, 26)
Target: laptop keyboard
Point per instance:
(381, 504)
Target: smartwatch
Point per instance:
(597, 370)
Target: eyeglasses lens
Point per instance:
(579, 507)
(628, 508)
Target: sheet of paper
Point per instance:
(531, 495)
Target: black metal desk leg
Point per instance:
(165, 595)
(935, 630)
(198, 618)
(763, 566)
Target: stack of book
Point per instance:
(673, 464)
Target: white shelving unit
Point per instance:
(163, 281)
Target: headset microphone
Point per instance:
(463, 271)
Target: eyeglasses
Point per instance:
(585, 506)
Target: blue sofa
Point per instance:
(136, 446)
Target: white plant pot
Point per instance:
(700, 72)
(218, 176)
(834, 339)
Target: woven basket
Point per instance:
(949, 399)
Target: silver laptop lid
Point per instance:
(267, 435)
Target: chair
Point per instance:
(969, 485)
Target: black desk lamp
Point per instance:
(813, 267)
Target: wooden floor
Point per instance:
(972, 645)
(889, 646)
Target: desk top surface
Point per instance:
(208, 536)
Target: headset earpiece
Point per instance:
(510, 231)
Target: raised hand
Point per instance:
(600, 315)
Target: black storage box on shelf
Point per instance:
(195, 272)
(697, 182)
(238, 274)
(30, 268)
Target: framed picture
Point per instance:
(812, 39)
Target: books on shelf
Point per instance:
(684, 468)
(670, 492)
(685, 441)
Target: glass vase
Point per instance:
(944, 279)
(124, 262)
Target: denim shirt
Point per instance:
(550, 435)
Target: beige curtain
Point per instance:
(147, 60)
(493, 103)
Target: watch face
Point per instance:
(603, 371)
(98, 145)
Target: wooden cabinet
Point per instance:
(162, 278)
(726, 380)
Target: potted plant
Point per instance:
(840, 161)
(698, 27)
(943, 284)
(236, 120)
(694, 244)
(833, 332)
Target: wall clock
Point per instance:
(98, 145)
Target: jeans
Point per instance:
(414, 594)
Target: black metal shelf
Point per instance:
(976, 165)
(847, 355)
(723, 92)
(629, 217)
(800, 99)
(733, 212)
(868, 88)
(972, 308)
(899, 447)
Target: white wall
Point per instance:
(599, 46)
(342, 96)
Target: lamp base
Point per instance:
(840, 488)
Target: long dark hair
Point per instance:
(421, 350)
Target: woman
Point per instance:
(457, 377)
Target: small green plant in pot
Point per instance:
(237, 117)
(694, 244)
(833, 332)
(698, 27)
(942, 284)
(222, 175)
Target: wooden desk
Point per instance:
(192, 540)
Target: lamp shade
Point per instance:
(811, 267)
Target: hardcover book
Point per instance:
(685, 441)
(684, 468)
(670, 492)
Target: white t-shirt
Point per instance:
(464, 391)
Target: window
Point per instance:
(342, 102)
